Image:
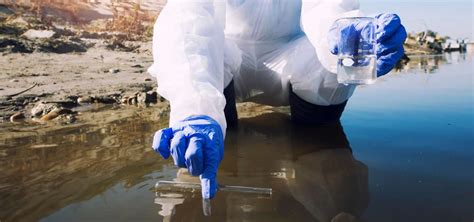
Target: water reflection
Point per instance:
(102, 168)
(94, 171)
(37, 180)
(430, 64)
(311, 170)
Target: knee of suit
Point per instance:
(230, 109)
(304, 112)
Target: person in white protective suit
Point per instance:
(276, 52)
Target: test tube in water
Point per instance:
(194, 187)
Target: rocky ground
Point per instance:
(55, 73)
(58, 70)
(50, 71)
(68, 80)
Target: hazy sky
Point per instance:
(449, 17)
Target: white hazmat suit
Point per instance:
(200, 46)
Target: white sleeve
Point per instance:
(188, 54)
(317, 18)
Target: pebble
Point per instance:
(124, 100)
(84, 99)
(142, 98)
(68, 119)
(33, 34)
(137, 66)
(71, 118)
(152, 96)
(132, 100)
(148, 80)
(114, 70)
(14, 80)
(42, 109)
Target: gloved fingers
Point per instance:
(393, 43)
(178, 149)
(365, 29)
(209, 186)
(387, 25)
(348, 34)
(194, 157)
(349, 40)
(215, 139)
(161, 142)
(387, 62)
(212, 159)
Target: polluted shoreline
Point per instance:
(52, 65)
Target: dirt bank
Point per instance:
(97, 71)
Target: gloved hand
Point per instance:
(390, 36)
(196, 143)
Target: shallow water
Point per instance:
(403, 152)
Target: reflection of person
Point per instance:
(270, 52)
(329, 182)
(321, 179)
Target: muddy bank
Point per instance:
(61, 68)
(38, 86)
(51, 69)
(96, 76)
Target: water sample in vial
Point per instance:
(358, 70)
(356, 51)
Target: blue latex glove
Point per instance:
(196, 143)
(390, 35)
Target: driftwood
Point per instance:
(24, 91)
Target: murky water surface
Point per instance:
(403, 152)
